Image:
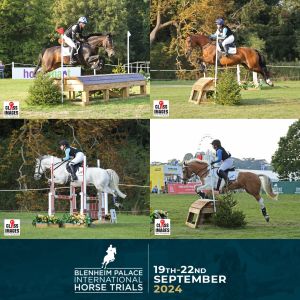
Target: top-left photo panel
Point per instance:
(79, 59)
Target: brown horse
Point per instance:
(251, 59)
(50, 58)
(248, 181)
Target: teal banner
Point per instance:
(150, 269)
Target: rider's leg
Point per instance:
(226, 42)
(73, 173)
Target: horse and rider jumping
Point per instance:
(248, 181)
(250, 58)
(84, 49)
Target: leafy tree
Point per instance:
(286, 159)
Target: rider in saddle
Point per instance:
(224, 157)
(73, 36)
(73, 154)
(225, 35)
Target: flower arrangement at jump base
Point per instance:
(75, 220)
(46, 221)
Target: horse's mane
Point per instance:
(197, 160)
(96, 34)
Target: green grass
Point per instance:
(281, 101)
(284, 218)
(132, 108)
(128, 226)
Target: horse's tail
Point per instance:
(39, 62)
(267, 186)
(114, 182)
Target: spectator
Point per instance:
(154, 190)
(1, 70)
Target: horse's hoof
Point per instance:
(267, 218)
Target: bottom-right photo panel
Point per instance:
(225, 179)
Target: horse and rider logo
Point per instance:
(109, 257)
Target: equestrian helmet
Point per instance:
(216, 143)
(82, 20)
(64, 143)
(220, 21)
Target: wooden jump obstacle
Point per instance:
(200, 89)
(199, 211)
(105, 83)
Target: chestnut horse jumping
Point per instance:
(50, 58)
(248, 181)
(250, 58)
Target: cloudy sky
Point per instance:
(173, 138)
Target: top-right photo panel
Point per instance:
(225, 59)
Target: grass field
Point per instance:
(17, 90)
(281, 101)
(128, 227)
(284, 218)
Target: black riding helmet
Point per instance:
(64, 143)
(216, 143)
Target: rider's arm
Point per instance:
(219, 156)
(67, 154)
(222, 35)
(214, 35)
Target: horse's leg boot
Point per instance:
(265, 214)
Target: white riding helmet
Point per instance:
(82, 20)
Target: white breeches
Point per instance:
(69, 42)
(228, 40)
(78, 158)
(227, 164)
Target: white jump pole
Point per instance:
(83, 189)
(238, 74)
(216, 63)
(255, 79)
(212, 181)
(62, 67)
(128, 60)
(51, 195)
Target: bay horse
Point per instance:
(50, 58)
(106, 181)
(250, 182)
(250, 58)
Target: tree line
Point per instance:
(29, 26)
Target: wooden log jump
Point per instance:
(199, 211)
(105, 83)
(200, 89)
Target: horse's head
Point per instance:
(189, 45)
(108, 45)
(38, 171)
(193, 41)
(186, 172)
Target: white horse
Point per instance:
(109, 257)
(106, 181)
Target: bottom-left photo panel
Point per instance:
(74, 179)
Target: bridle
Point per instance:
(38, 174)
(199, 171)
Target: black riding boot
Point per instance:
(73, 173)
(226, 49)
(218, 184)
(224, 175)
(73, 60)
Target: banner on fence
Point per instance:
(180, 188)
(27, 73)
